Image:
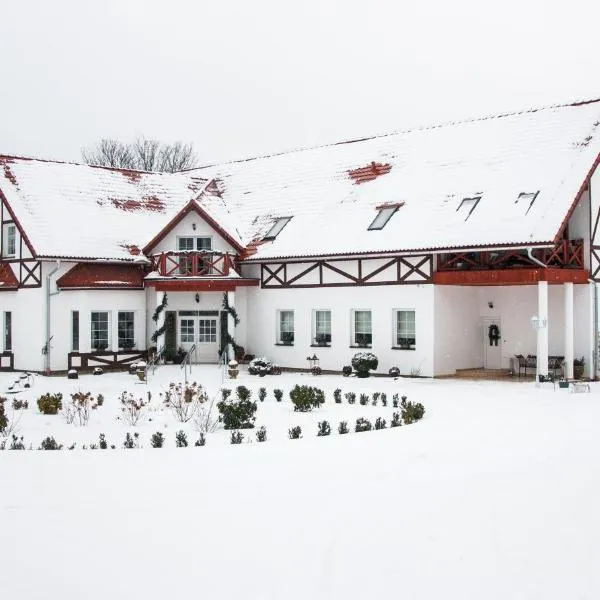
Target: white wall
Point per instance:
(381, 300)
(185, 229)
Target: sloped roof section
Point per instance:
(333, 191)
(102, 275)
(8, 281)
(73, 210)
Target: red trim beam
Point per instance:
(203, 285)
(510, 277)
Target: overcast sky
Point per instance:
(241, 78)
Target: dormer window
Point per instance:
(385, 214)
(467, 206)
(527, 199)
(276, 228)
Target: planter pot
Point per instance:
(563, 384)
(578, 372)
(233, 373)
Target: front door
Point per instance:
(492, 341)
(200, 332)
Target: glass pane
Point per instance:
(203, 243)
(186, 243)
(322, 326)
(286, 326)
(362, 327)
(383, 217)
(186, 328)
(99, 330)
(126, 330)
(405, 329)
(207, 331)
(8, 331)
(75, 330)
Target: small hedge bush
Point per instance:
(238, 414)
(362, 424)
(50, 404)
(306, 397)
(363, 362)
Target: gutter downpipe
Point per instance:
(47, 362)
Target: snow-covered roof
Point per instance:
(520, 174)
(332, 191)
(73, 210)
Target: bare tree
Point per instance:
(142, 154)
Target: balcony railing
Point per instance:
(567, 254)
(194, 264)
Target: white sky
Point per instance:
(241, 78)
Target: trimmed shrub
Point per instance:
(295, 433)
(343, 427)
(181, 439)
(363, 362)
(262, 394)
(260, 366)
(351, 397)
(324, 429)
(201, 441)
(50, 404)
(396, 420)
(50, 443)
(363, 399)
(102, 443)
(394, 372)
(380, 423)
(346, 371)
(375, 398)
(157, 440)
(3, 417)
(337, 396)
(261, 434)
(362, 424)
(395, 399)
(306, 397)
(225, 393)
(278, 395)
(384, 399)
(238, 414)
(237, 437)
(411, 411)
(19, 404)
(17, 443)
(100, 400)
(131, 441)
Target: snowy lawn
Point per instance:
(494, 494)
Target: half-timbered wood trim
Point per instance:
(595, 263)
(417, 269)
(27, 273)
(525, 276)
(11, 359)
(106, 358)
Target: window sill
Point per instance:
(320, 345)
(361, 347)
(282, 344)
(401, 348)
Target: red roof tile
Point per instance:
(8, 281)
(87, 275)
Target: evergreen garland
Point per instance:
(159, 309)
(230, 309)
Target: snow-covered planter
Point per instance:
(394, 372)
(260, 366)
(233, 369)
(72, 374)
(363, 362)
(98, 371)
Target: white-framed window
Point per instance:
(207, 331)
(278, 224)
(10, 240)
(186, 331)
(362, 328)
(7, 332)
(75, 330)
(405, 333)
(192, 244)
(321, 327)
(100, 330)
(285, 327)
(126, 329)
(467, 206)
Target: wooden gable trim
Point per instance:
(16, 221)
(523, 276)
(192, 206)
(575, 202)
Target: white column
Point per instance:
(569, 330)
(160, 341)
(542, 332)
(231, 324)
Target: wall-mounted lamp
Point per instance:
(194, 226)
(197, 298)
(490, 304)
(537, 323)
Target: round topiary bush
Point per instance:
(363, 362)
(394, 372)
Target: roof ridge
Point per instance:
(575, 103)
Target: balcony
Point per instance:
(194, 264)
(567, 254)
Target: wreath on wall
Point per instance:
(494, 334)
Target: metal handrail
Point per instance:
(153, 362)
(187, 361)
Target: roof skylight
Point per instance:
(276, 228)
(385, 214)
(527, 199)
(467, 205)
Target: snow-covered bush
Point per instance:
(323, 429)
(261, 434)
(363, 362)
(132, 410)
(411, 411)
(3, 417)
(201, 441)
(363, 399)
(262, 394)
(376, 397)
(295, 433)
(343, 427)
(306, 397)
(237, 437)
(238, 413)
(184, 400)
(50, 443)
(362, 424)
(102, 443)
(337, 396)
(395, 400)
(380, 423)
(260, 366)
(19, 404)
(350, 397)
(157, 440)
(278, 395)
(17, 443)
(384, 399)
(181, 439)
(396, 420)
(394, 372)
(346, 370)
(131, 441)
(78, 410)
(204, 420)
(50, 404)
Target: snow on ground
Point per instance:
(493, 495)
